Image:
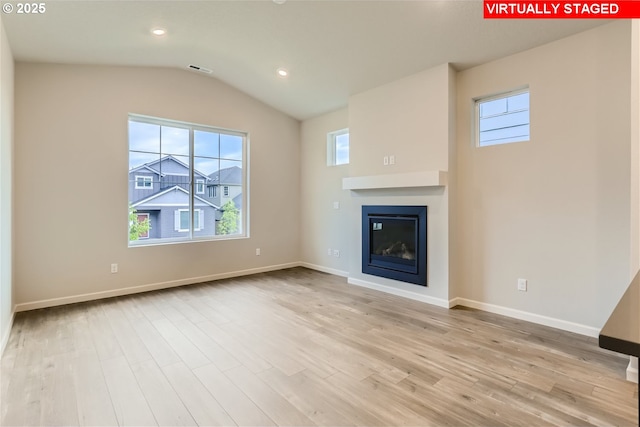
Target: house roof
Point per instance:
(146, 167)
(227, 176)
(150, 166)
(157, 198)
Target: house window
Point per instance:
(338, 147)
(226, 190)
(177, 160)
(199, 186)
(182, 220)
(144, 182)
(213, 191)
(503, 118)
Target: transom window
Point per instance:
(503, 118)
(338, 147)
(177, 161)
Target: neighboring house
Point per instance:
(226, 185)
(159, 191)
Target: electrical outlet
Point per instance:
(257, 251)
(329, 252)
(114, 268)
(522, 285)
(336, 253)
(385, 160)
(336, 205)
(392, 160)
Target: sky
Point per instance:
(212, 150)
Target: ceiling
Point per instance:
(332, 49)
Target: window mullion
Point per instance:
(191, 184)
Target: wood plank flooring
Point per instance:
(301, 348)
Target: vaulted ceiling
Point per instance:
(332, 49)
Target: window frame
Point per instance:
(197, 225)
(145, 179)
(200, 185)
(331, 147)
(193, 127)
(507, 94)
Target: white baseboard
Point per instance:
(632, 370)
(146, 288)
(4, 338)
(400, 292)
(529, 317)
(325, 269)
(505, 311)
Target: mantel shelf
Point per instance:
(399, 180)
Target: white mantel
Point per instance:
(399, 180)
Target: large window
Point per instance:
(338, 147)
(175, 170)
(503, 118)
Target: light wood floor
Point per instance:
(299, 347)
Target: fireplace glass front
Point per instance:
(394, 242)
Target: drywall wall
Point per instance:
(323, 226)
(554, 210)
(410, 120)
(71, 164)
(6, 175)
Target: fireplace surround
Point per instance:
(394, 242)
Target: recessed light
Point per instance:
(159, 31)
(282, 72)
(279, 1)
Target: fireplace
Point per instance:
(394, 242)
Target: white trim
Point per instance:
(201, 182)
(632, 370)
(7, 332)
(145, 179)
(53, 302)
(507, 94)
(179, 220)
(325, 269)
(331, 146)
(529, 317)
(400, 292)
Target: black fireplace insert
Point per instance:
(394, 242)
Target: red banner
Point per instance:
(625, 9)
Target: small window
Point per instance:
(212, 190)
(503, 118)
(338, 147)
(199, 186)
(226, 191)
(144, 183)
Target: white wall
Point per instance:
(410, 119)
(6, 181)
(323, 227)
(71, 165)
(555, 210)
